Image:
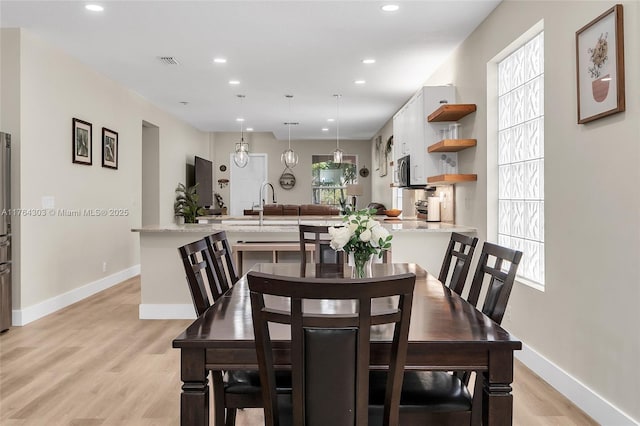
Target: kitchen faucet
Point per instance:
(260, 209)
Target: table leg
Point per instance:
(194, 400)
(497, 401)
(239, 262)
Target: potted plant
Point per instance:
(186, 204)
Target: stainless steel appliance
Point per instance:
(429, 209)
(404, 170)
(5, 231)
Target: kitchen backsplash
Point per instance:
(446, 195)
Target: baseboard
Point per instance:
(166, 311)
(589, 401)
(24, 316)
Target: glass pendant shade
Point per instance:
(289, 158)
(337, 156)
(241, 155)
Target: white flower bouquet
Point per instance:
(362, 235)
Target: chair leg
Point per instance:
(218, 398)
(231, 417)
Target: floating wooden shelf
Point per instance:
(449, 179)
(451, 112)
(452, 145)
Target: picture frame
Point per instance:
(600, 66)
(82, 142)
(109, 148)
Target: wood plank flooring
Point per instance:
(95, 363)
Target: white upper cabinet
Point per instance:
(412, 134)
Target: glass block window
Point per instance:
(521, 156)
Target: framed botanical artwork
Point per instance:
(600, 66)
(109, 148)
(81, 143)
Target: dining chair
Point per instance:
(330, 352)
(461, 247)
(203, 283)
(443, 398)
(210, 272)
(221, 256)
(320, 238)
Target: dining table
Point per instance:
(446, 333)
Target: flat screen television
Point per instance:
(204, 179)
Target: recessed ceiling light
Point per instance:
(360, 81)
(94, 7)
(390, 7)
(220, 60)
(368, 61)
(239, 119)
(249, 129)
(331, 120)
(325, 129)
(234, 82)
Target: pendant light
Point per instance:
(241, 154)
(289, 157)
(337, 154)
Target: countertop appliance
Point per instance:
(430, 208)
(5, 231)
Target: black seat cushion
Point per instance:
(248, 381)
(423, 390)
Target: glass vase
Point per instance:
(362, 264)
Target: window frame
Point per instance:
(493, 152)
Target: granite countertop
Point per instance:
(290, 224)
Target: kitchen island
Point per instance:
(165, 294)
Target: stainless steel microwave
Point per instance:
(404, 172)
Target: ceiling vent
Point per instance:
(168, 60)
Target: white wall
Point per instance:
(261, 142)
(62, 254)
(586, 320)
(380, 186)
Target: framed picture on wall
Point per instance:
(109, 148)
(600, 66)
(81, 143)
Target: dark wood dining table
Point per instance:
(446, 333)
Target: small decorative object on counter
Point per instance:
(361, 236)
(219, 200)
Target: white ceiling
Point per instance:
(310, 49)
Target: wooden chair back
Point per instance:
(203, 283)
(330, 352)
(461, 247)
(319, 237)
(222, 259)
(500, 280)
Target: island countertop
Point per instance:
(273, 224)
(165, 294)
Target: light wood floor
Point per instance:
(96, 363)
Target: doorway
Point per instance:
(150, 174)
(245, 183)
